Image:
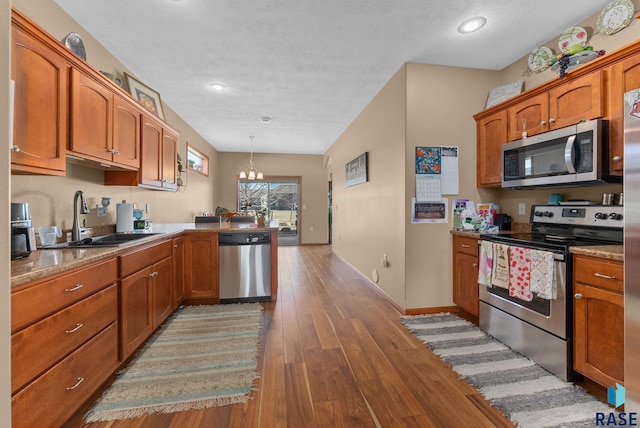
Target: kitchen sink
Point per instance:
(111, 240)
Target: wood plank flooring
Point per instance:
(335, 354)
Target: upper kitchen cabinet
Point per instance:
(624, 76)
(491, 134)
(41, 102)
(158, 166)
(105, 128)
(563, 105)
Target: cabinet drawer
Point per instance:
(41, 345)
(140, 259)
(467, 245)
(603, 273)
(34, 303)
(57, 394)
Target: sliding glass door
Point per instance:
(277, 198)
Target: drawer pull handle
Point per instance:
(465, 245)
(475, 265)
(76, 288)
(73, 330)
(600, 275)
(578, 296)
(71, 388)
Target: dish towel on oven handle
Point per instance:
(542, 274)
(500, 272)
(520, 273)
(485, 263)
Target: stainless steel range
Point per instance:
(541, 328)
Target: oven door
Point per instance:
(549, 315)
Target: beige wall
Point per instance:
(313, 189)
(5, 185)
(50, 198)
(368, 219)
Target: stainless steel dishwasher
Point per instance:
(244, 266)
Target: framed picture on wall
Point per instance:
(357, 170)
(146, 97)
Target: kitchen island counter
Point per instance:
(46, 262)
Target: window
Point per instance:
(197, 161)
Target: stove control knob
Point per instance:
(537, 214)
(615, 216)
(548, 214)
(600, 216)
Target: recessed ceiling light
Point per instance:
(218, 87)
(265, 119)
(472, 24)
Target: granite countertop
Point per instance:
(46, 262)
(611, 252)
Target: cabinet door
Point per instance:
(162, 291)
(624, 76)
(530, 115)
(178, 271)
(126, 133)
(91, 116)
(151, 148)
(41, 106)
(576, 100)
(169, 160)
(465, 282)
(598, 334)
(202, 266)
(135, 311)
(491, 135)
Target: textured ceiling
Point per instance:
(312, 66)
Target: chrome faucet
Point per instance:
(84, 209)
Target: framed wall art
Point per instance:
(146, 97)
(357, 171)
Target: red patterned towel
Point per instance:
(520, 273)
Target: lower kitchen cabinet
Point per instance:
(598, 328)
(465, 273)
(201, 250)
(179, 265)
(145, 294)
(59, 325)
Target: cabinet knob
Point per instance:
(15, 149)
(552, 120)
(475, 265)
(543, 123)
(617, 158)
(578, 296)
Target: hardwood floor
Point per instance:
(335, 354)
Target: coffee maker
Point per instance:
(23, 236)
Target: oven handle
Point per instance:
(568, 154)
(559, 257)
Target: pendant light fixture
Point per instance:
(251, 173)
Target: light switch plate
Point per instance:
(521, 209)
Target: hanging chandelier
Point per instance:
(251, 173)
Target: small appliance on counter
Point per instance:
(23, 236)
(139, 223)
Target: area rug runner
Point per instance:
(527, 394)
(202, 356)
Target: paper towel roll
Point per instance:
(124, 217)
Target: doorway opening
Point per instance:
(278, 199)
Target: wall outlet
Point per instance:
(522, 209)
(101, 210)
(148, 209)
(310, 228)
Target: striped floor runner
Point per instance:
(529, 395)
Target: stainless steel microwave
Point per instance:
(571, 156)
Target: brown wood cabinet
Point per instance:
(624, 76)
(201, 250)
(491, 134)
(104, 126)
(159, 162)
(145, 294)
(465, 273)
(566, 104)
(59, 325)
(41, 103)
(598, 329)
(179, 266)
